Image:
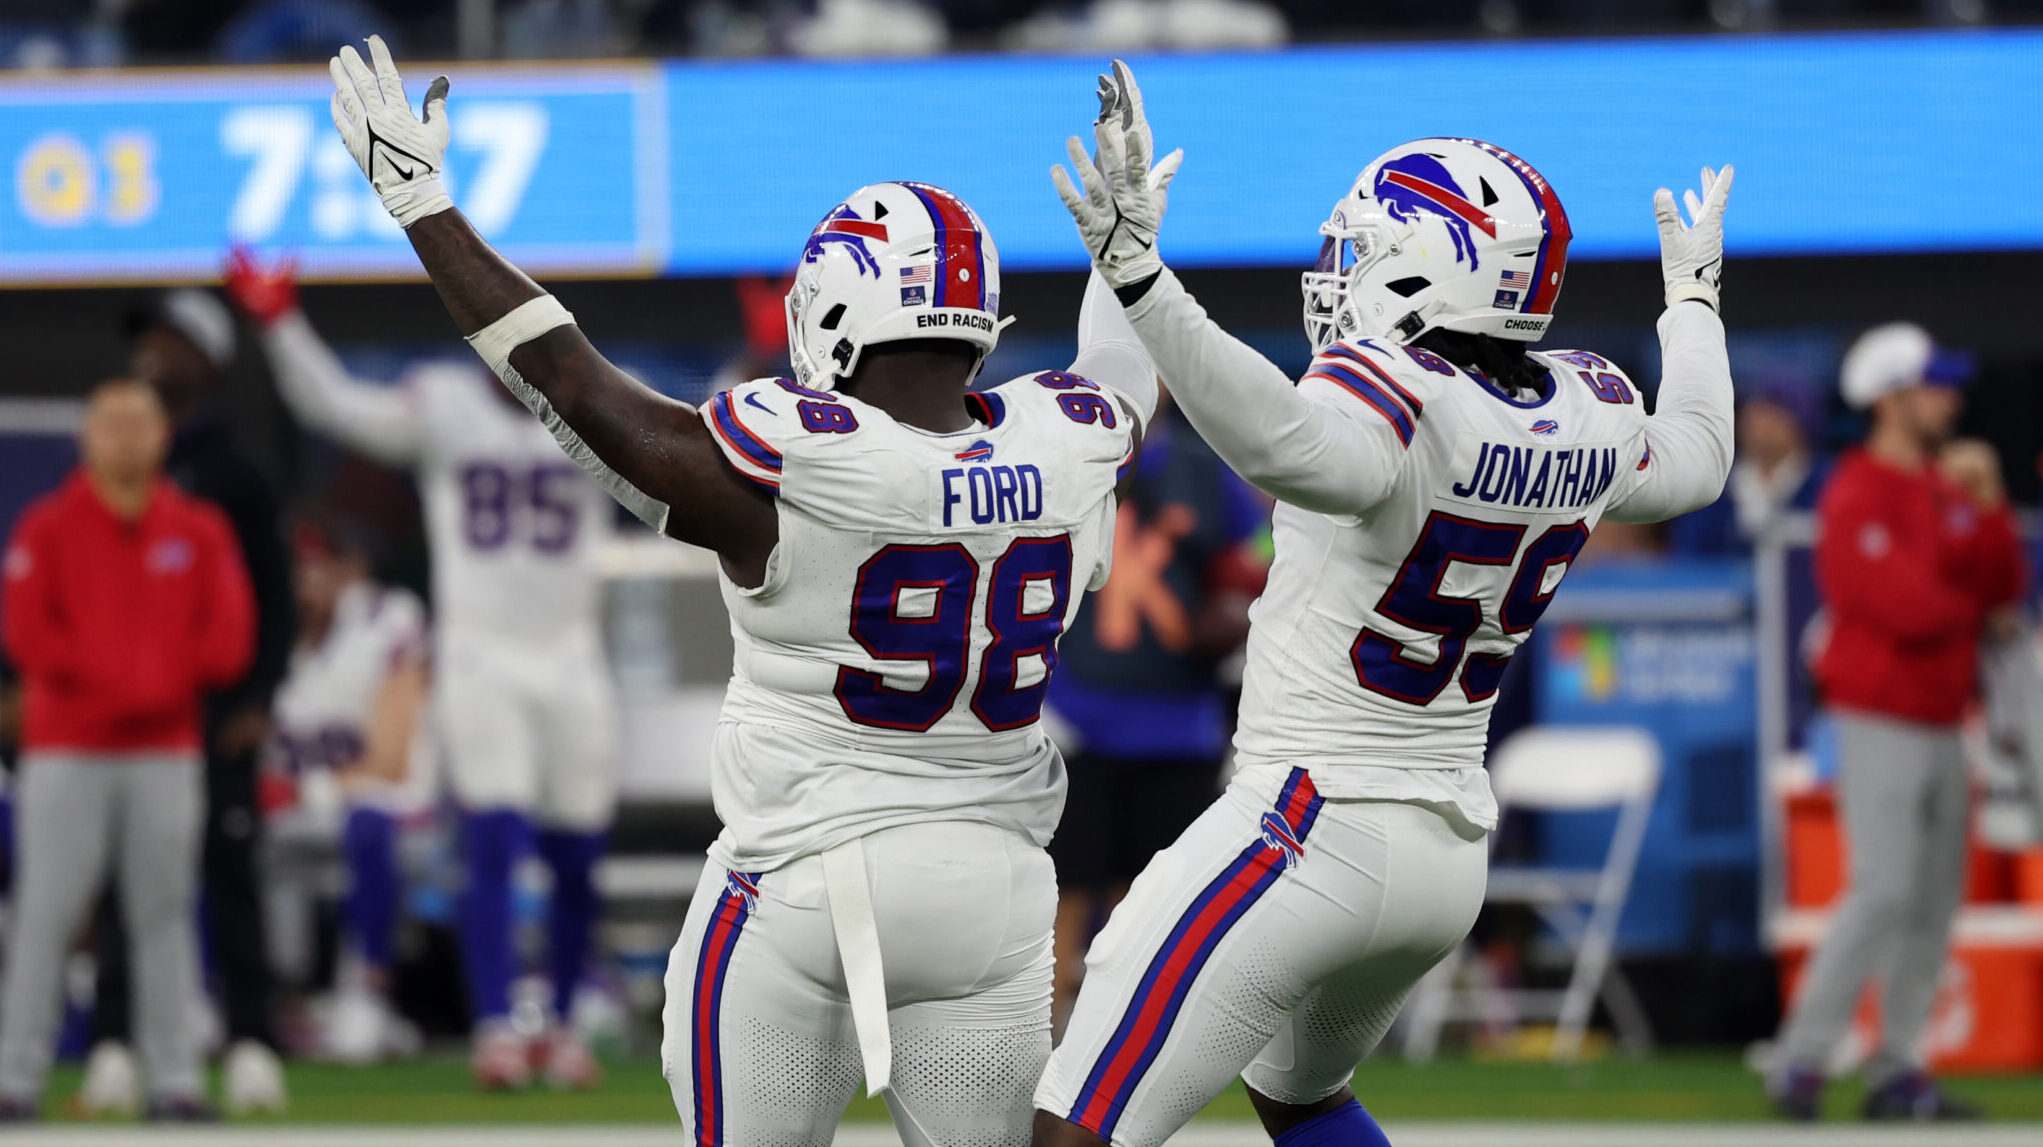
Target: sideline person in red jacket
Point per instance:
(1912, 569)
(125, 600)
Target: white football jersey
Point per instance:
(893, 665)
(1382, 637)
(515, 528)
(320, 718)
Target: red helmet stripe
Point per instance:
(858, 227)
(958, 249)
(1476, 216)
(1552, 262)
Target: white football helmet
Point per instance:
(1454, 234)
(895, 261)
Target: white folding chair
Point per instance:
(1560, 769)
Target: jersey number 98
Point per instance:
(915, 604)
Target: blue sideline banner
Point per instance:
(1851, 143)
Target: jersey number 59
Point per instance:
(915, 603)
(1414, 600)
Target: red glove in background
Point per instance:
(763, 302)
(265, 294)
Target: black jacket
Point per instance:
(207, 461)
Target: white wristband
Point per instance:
(1701, 292)
(525, 322)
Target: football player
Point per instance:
(348, 718)
(1436, 479)
(899, 556)
(522, 696)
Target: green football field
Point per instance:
(1667, 1088)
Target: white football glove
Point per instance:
(1122, 206)
(401, 154)
(1692, 253)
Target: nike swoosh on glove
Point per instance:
(401, 154)
(1121, 208)
(1692, 253)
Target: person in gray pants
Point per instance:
(1913, 567)
(125, 600)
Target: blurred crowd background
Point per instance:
(1695, 630)
(104, 33)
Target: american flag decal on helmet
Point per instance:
(960, 255)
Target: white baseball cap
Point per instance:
(1896, 356)
(198, 315)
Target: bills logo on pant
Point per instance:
(1278, 835)
(745, 886)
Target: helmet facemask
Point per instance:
(1347, 253)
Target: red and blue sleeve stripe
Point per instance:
(987, 406)
(1383, 376)
(712, 966)
(957, 249)
(1366, 389)
(1160, 996)
(750, 454)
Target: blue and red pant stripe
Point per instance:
(712, 965)
(1160, 995)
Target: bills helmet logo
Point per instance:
(1278, 835)
(979, 451)
(844, 227)
(744, 886)
(1413, 184)
(1546, 428)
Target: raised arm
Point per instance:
(653, 454)
(1111, 353)
(1296, 444)
(1309, 445)
(1687, 452)
(377, 420)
